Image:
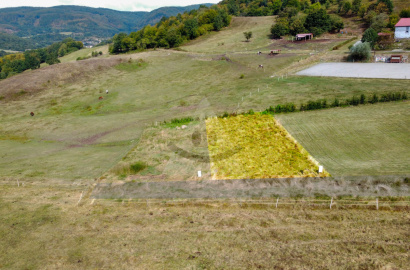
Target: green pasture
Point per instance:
(364, 140)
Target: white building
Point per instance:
(402, 28)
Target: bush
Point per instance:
(182, 120)
(279, 29)
(354, 101)
(374, 99)
(83, 58)
(242, 76)
(288, 107)
(137, 167)
(405, 13)
(360, 52)
(335, 103)
(370, 36)
(362, 99)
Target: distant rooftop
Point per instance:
(403, 22)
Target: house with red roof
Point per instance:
(402, 28)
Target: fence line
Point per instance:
(376, 203)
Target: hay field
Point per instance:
(255, 146)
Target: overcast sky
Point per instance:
(125, 5)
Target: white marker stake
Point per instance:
(320, 169)
(199, 174)
(80, 197)
(277, 200)
(377, 203)
(331, 203)
(258, 90)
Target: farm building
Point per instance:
(304, 36)
(402, 28)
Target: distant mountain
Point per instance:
(39, 25)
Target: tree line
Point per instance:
(314, 19)
(173, 31)
(16, 63)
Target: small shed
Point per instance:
(402, 28)
(305, 36)
(396, 58)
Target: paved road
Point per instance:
(359, 70)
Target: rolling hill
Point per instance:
(41, 26)
(80, 137)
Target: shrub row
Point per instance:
(354, 101)
(323, 104)
(309, 106)
(288, 107)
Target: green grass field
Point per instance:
(367, 140)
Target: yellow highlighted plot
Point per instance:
(256, 146)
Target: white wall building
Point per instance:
(402, 28)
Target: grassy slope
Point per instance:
(74, 138)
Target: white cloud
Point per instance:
(125, 5)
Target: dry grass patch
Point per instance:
(33, 81)
(255, 146)
(168, 153)
(43, 228)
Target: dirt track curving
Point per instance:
(359, 70)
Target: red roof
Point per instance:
(403, 22)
